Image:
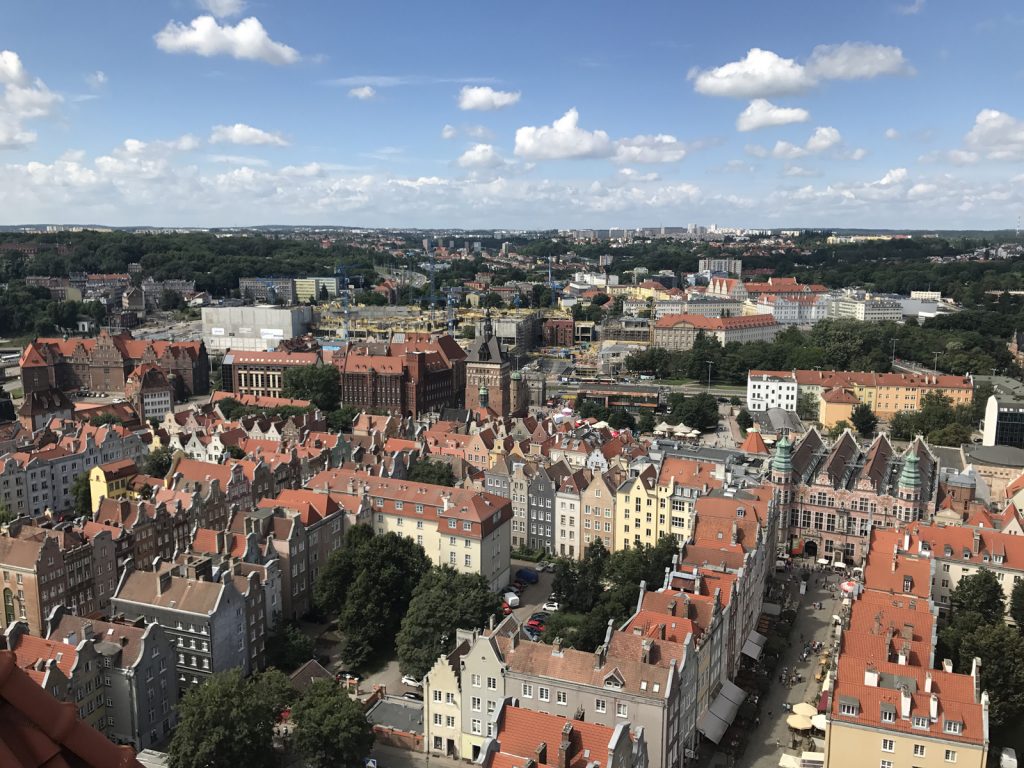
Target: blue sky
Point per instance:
(904, 114)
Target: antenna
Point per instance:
(342, 274)
(433, 287)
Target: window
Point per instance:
(600, 705)
(950, 755)
(919, 750)
(888, 715)
(453, 523)
(543, 694)
(437, 719)
(527, 691)
(449, 721)
(562, 698)
(847, 709)
(474, 703)
(437, 696)
(952, 726)
(476, 727)
(888, 745)
(885, 764)
(492, 684)
(475, 680)
(469, 561)
(621, 710)
(449, 698)
(920, 722)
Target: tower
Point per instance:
(782, 470)
(488, 372)
(908, 487)
(519, 394)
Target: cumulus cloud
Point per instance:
(485, 98)
(796, 170)
(661, 148)
(996, 136)
(205, 37)
(240, 133)
(363, 92)
(449, 132)
(893, 176)
(563, 139)
(759, 73)
(223, 8)
(96, 79)
(22, 98)
(856, 61)
(480, 156)
(763, 73)
(238, 160)
(823, 138)
(761, 113)
(912, 9)
(892, 134)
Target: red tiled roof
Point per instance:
(716, 323)
(523, 730)
(37, 731)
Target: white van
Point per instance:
(512, 599)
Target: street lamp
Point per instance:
(893, 351)
(710, 363)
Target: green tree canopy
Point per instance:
(980, 593)
(444, 600)
(288, 647)
(1001, 650)
(432, 471)
(1017, 605)
(157, 463)
(81, 495)
(331, 728)
(227, 720)
(864, 420)
(320, 384)
(744, 420)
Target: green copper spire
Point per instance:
(782, 461)
(910, 477)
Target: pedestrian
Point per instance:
(769, 714)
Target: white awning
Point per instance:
(789, 761)
(719, 716)
(754, 645)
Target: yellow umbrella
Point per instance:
(798, 722)
(804, 709)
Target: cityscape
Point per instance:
(413, 418)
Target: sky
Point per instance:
(905, 114)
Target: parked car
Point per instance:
(540, 567)
(411, 681)
(512, 599)
(506, 609)
(536, 625)
(527, 576)
(513, 588)
(550, 606)
(531, 634)
(542, 615)
(412, 696)
(519, 583)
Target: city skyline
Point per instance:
(231, 113)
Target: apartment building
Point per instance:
(111, 480)
(597, 509)
(865, 307)
(469, 531)
(205, 620)
(268, 290)
(677, 333)
(887, 704)
(139, 679)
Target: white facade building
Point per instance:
(769, 390)
(252, 329)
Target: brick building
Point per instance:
(558, 332)
(261, 373)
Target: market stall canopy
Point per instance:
(804, 709)
(799, 722)
(719, 716)
(819, 722)
(754, 645)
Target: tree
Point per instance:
(444, 600)
(341, 419)
(744, 420)
(157, 463)
(288, 647)
(646, 423)
(492, 300)
(103, 419)
(224, 721)
(1017, 605)
(320, 384)
(864, 420)
(699, 411)
(838, 428)
(621, 419)
(433, 472)
(807, 406)
(1001, 650)
(235, 452)
(331, 728)
(980, 593)
(171, 300)
(81, 495)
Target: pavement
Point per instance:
(773, 737)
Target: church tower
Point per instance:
(488, 371)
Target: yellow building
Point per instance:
(111, 481)
(442, 704)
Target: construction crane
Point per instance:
(451, 311)
(341, 273)
(431, 254)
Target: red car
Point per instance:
(505, 609)
(536, 625)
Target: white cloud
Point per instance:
(479, 132)
(910, 10)
(240, 133)
(661, 148)
(633, 175)
(96, 79)
(823, 138)
(761, 113)
(893, 176)
(858, 154)
(856, 61)
(480, 156)
(561, 140)
(237, 160)
(205, 37)
(222, 8)
(763, 73)
(22, 98)
(485, 98)
(997, 136)
(796, 170)
(759, 73)
(449, 132)
(363, 92)
(892, 134)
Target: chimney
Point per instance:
(947, 665)
(600, 654)
(645, 650)
(933, 707)
(903, 656)
(86, 631)
(71, 638)
(976, 542)
(904, 702)
(906, 541)
(671, 607)
(221, 543)
(563, 746)
(871, 676)
(163, 582)
(928, 682)
(540, 754)
(556, 649)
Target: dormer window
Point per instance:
(998, 559)
(908, 584)
(849, 706)
(952, 726)
(888, 713)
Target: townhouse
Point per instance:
(469, 531)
